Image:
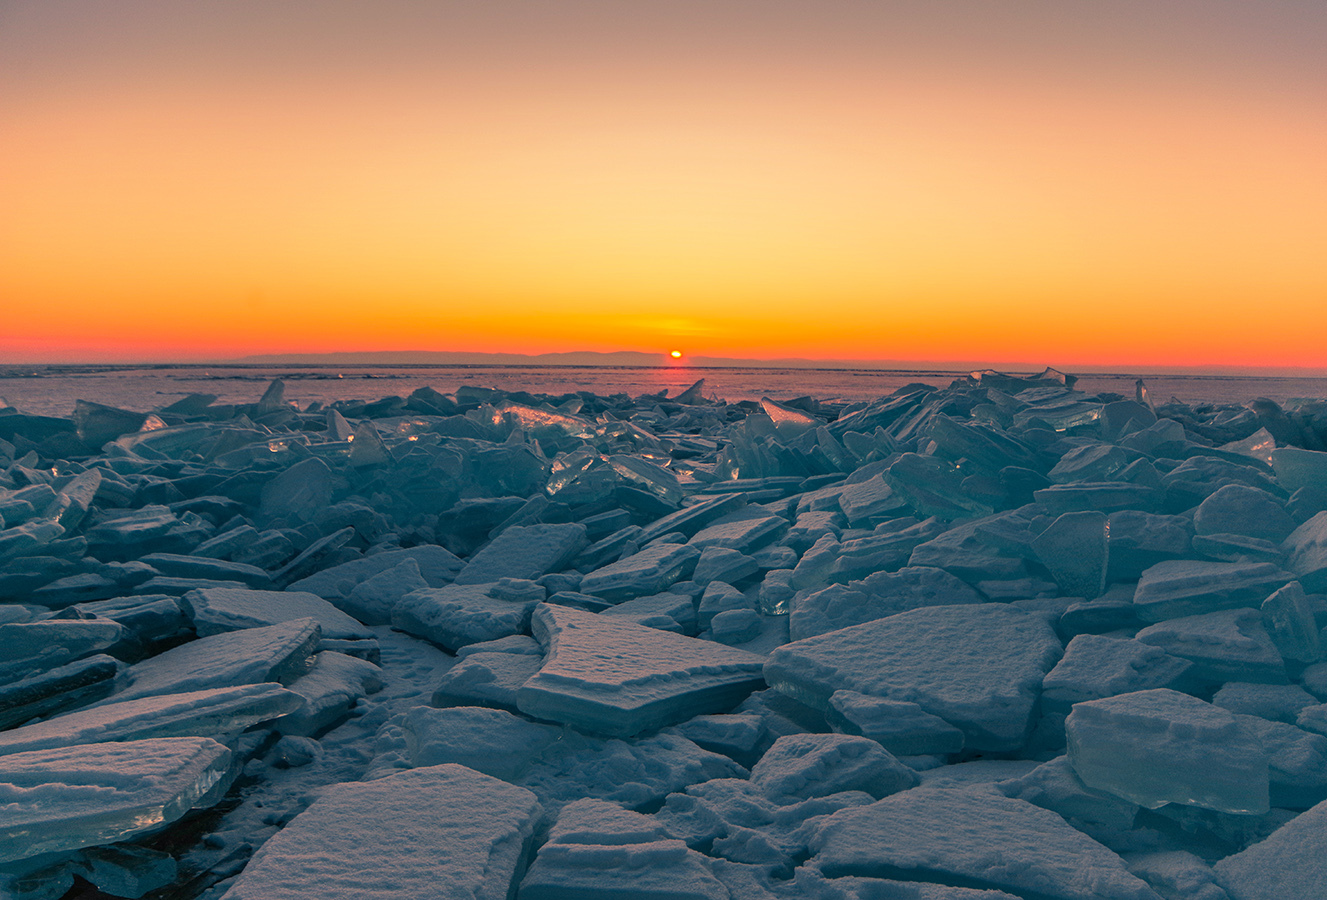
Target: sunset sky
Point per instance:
(1062, 182)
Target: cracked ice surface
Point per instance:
(1003, 639)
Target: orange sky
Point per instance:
(1059, 184)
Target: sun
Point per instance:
(675, 354)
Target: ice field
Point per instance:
(1001, 639)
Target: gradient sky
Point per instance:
(1065, 182)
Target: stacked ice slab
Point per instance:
(998, 640)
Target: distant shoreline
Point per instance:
(701, 364)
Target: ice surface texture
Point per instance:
(1160, 746)
(66, 798)
(972, 839)
(609, 676)
(977, 667)
(441, 831)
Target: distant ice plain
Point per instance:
(148, 387)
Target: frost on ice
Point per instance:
(999, 640)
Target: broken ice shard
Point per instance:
(461, 614)
(1074, 548)
(70, 797)
(64, 687)
(1160, 746)
(600, 851)
(650, 571)
(902, 728)
(1289, 863)
(219, 610)
(217, 714)
(802, 766)
(369, 840)
(1187, 587)
(30, 647)
(979, 839)
(977, 667)
(525, 551)
(277, 653)
(606, 675)
(334, 684)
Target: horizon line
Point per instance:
(660, 359)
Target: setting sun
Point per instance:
(675, 354)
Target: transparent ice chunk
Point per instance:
(70, 797)
(1160, 746)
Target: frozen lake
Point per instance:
(52, 390)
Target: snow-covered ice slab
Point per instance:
(1055, 786)
(440, 832)
(55, 690)
(744, 530)
(1290, 863)
(1240, 509)
(650, 571)
(66, 798)
(218, 610)
(30, 647)
(214, 713)
(277, 653)
(1290, 623)
(492, 741)
(734, 820)
(486, 679)
(176, 565)
(637, 773)
(372, 600)
(600, 851)
(437, 566)
(693, 518)
(977, 667)
(606, 675)
(972, 839)
(1160, 746)
(1187, 587)
(525, 551)
(1231, 645)
(1096, 666)
(802, 766)
(1176, 875)
(334, 684)
(1274, 702)
(902, 728)
(461, 614)
(1307, 549)
(1075, 548)
(1297, 762)
(879, 595)
(672, 612)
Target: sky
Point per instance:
(1063, 182)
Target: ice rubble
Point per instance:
(1000, 639)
